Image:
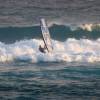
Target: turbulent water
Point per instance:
(71, 72)
(53, 81)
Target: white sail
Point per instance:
(46, 35)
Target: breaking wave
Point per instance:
(58, 32)
(71, 50)
(72, 43)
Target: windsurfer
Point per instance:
(46, 38)
(42, 49)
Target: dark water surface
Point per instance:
(52, 81)
(28, 12)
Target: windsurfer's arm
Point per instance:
(42, 49)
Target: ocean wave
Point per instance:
(73, 27)
(58, 32)
(71, 50)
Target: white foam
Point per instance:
(89, 27)
(71, 50)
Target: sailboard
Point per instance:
(46, 35)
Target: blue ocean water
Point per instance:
(42, 81)
(71, 72)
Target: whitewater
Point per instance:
(71, 50)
